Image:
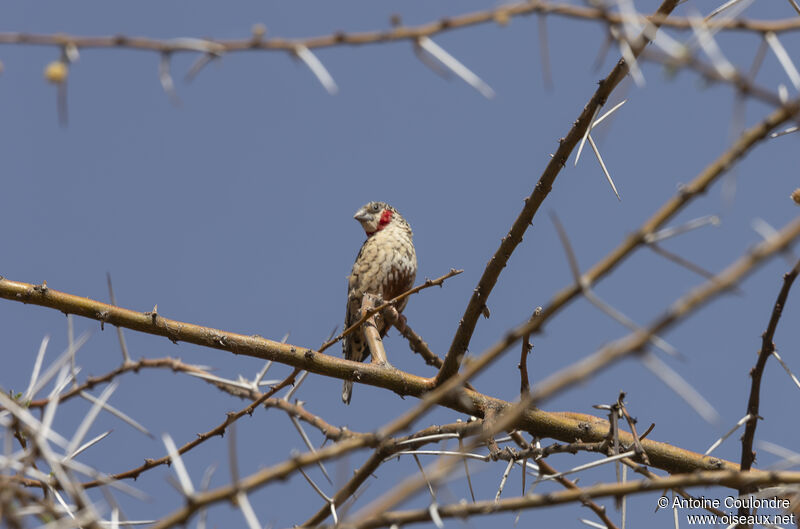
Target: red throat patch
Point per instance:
(386, 218)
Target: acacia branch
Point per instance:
(727, 478)
(672, 207)
(480, 295)
(767, 348)
(501, 15)
(509, 417)
(379, 456)
(519, 415)
(698, 297)
(155, 363)
(560, 426)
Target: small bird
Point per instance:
(386, 266)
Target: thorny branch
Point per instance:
(501, 15)
(477, 303)
(519, 415)
(450, 388)
(686, 194)
(730, 478)
(767, 348)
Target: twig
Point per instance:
(497, 263)
(397, 33)
(696, 298)
(767, 348)
(532, 501)
(675, 204)
(219, 430)
(527, 347)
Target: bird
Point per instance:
(386, 266)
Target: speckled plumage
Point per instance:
(386, 266)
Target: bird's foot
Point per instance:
(382, 363)
(400, 323)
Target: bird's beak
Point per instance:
(361, 215)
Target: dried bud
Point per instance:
(56, 72)
(502, 17)
(259, 30)
(796, 195)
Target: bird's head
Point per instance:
(375, 216)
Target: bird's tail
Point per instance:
(347, 391)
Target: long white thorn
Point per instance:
(50, 410)
(37, 367)
(247, 511)
(719, 441)
(784, 132)
(177, 461)
(723, 7)
(587, 466)
(455, 66)
(88, 444)
(165, 77)
(611, 111)
(681, 387)
(783, 57)
(586, 135)
(118, 414)
(630, 59)
(603, 165)
(87, 421)
(786, 368)
(317, 68)
(27, 418)
(51, 371)
(705, 39)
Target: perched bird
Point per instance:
(386, 266)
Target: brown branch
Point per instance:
(419, 346)
(415, 341)
(279, 471)
(397, 33)
(562, 427)
(646, 472)
(537, 421)
(384, 451)
(230, 418)
(743, 83)
(568, 484)
(729, 478)
(767, 348)
(171, 363)
(509, 417)
(599, 510)
(673, 206)
(480, 295)
(178, 331)
(527, 347)
(543, 424)
(701, 295)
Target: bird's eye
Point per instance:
(375, 207)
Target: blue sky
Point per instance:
(234, 210)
